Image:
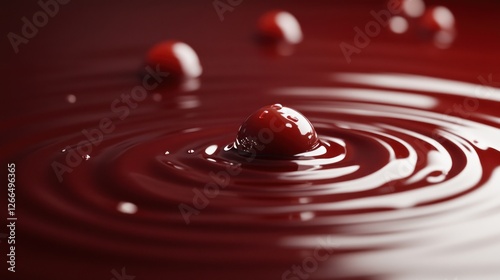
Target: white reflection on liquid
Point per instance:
(367, 95)
(413, 8)
(188, 60)
(452, 237)
(444, 18)
(290, 27)
(188, 101)
(71, 98)
(414, 241)
(210, 150)
(420, 83)
(398, 24)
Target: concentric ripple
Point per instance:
(395, 180)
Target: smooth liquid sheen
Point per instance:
(405, 184)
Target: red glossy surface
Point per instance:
(403, 186)
(408, 8)
(176, 58)
(276, 131)
(279, 26)
(438, 18)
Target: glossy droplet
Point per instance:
(167, 153)
(444, 18)
(275, 135)
(438, 25)
(86, 157)
(71, 98)
(127, 208)
(438, 18)
(176, 58)
(280, 26)
(398, 25)
(210, 150)
(413, 8)
(190, 151)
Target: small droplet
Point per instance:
(413, 8)
(176, 58)
(63, 150)
(167, 153)
(277, 106)
(443, 17)
(289, 125)
(210, 150)
(191, 151)
(292, 118)
(398, 25)
(280, 26)
(438, 25)
(127, 207)
(71, 98)
(86, 157)
(263, 114)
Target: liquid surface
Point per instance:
(406, 185)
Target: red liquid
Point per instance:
(405, 187)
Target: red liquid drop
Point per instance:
(438, 24)
(176, 58)
(280, 26)
(276, 131)
(409, 8)
(438, 18)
